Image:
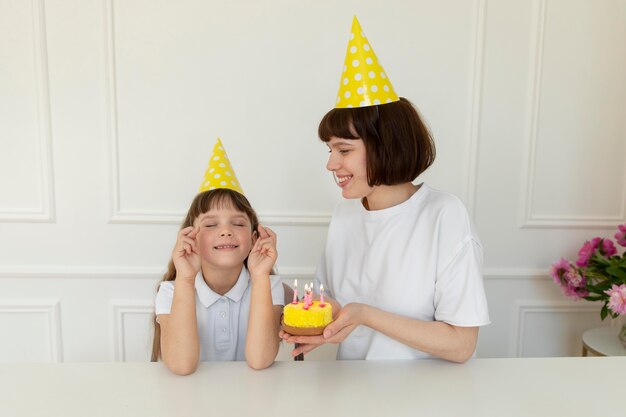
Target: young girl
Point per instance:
(218, 301)
(403, 260)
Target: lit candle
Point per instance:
(322, 303)
(295, 292)
(307, 294)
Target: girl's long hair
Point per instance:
(202, 203)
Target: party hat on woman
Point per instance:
(220, 173)
(363, 82)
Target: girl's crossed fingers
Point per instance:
(266, 232)
(187, 240)
(266, 239)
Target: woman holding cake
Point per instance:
(402, 260)
(217, 300)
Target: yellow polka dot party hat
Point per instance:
(363, 82)
(220, 173)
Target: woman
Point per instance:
(402, 260)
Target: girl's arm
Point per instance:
(440, 339)
(180, 344)
(262, 342)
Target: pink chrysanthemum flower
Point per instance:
(608, 248)
(617, 298)
(571, 281)
(620, 236)
(574, 292)
(574, 278)
(558, 269)
(585, 253)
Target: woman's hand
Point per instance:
(263, 254)
(305, 343)
(437, 338)
(348, 318)
(185, 254)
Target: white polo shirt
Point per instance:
(420, 259)
(222, 319)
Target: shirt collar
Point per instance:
(207, 296)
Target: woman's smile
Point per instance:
(342, 180)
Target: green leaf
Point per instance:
(599, 288)
(604, 312)
(594, 297)
(617, 272)
(600, 259)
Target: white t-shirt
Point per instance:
(420, 259)
(222, 319)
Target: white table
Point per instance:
(482, 387)
(603, 341)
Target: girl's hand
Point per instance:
(185, 254)
(263, 254)
(336, 332)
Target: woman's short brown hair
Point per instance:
(398, 145)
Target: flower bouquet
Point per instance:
(598, 275)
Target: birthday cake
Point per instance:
(307, 319)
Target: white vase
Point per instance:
(619, 324)
(622, 335)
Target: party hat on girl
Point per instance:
(220, 173)
(363, 82)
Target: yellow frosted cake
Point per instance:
(301, 321)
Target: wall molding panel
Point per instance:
(46, 212)
(524, 308)
(528, 219)
(48, 308)
(117, 215)
(111, 106)
(532, 113)
(269, 219)
(120, 310)
(475, 105)
(79, 272)
(516, 274)
(304, 272)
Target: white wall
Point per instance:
(109, 110)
